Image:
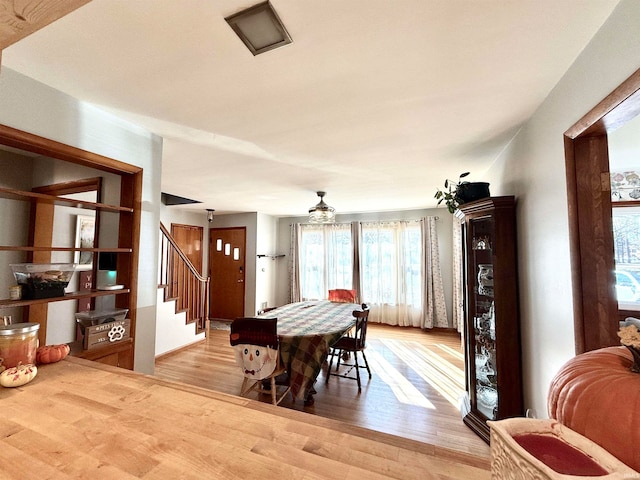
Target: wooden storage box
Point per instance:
(107, 333)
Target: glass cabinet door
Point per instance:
(492, 332)
(484, 323)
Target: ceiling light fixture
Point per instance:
(210, 214)
(260, 28)
(322, 213)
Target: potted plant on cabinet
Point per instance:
(462, 191)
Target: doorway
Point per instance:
(227, 248)
(596, 312)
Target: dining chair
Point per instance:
(265, 310)
(352, 344)
(342, 295)
(257, 349)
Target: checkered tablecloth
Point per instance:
(306, 331)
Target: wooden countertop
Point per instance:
(81, 419)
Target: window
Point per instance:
(326, 259)
(397, 269)
(391, 263)
(626, 242)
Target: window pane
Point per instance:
(392, 264)
(325, 259)
(626, 241)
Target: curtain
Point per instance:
(355, 239)
(458, 278)
(391, 271)
(294, 264)
(435, 311)
(325, 258)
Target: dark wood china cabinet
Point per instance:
(491, 331)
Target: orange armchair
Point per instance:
(341, 295)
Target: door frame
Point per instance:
(595, 307)
(210, 256)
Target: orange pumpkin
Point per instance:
(51, 353)
(597, 395)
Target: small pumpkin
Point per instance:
(596, 395)
(18, 376)
(51, 353)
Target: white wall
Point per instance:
(533, 168)
(443, 226)
(266, 268)
(36, 108)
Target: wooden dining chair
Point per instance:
(342, 295)
(265, 310)
(256, 343)
(353, 344)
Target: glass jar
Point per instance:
(18, 343)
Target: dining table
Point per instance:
(306, 331)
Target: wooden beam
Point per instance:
(20, 18)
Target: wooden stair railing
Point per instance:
(182, 282)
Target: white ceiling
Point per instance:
(375, 101)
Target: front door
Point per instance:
(227, 271)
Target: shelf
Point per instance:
(69, 202)
(63, 249)
(67, 296)
(119, 354)
(120, 231)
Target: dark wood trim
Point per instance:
(67, 296)
(616, 109)
(574, 244)
(76, 186)
(590, 223)
(625, 203)
(50, 148)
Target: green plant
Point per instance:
(449, 194)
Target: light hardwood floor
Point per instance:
(417, 379)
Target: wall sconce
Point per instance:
(210, 214)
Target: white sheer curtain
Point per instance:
(435, 311)
(325, 258)
(391, 272)
(458, 287)
(294, 264)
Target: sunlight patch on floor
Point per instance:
(403, 390)
(447, 379)
(450, 351)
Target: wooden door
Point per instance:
(189, 240)
(227, 271)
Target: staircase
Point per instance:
(183, 298)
